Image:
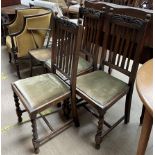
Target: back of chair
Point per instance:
(18, 24)
(65, 47)
(27, 39)
(93, 20)
(124, 38)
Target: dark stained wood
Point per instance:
(92, 23)
(134, 12)
(66, 43)
(123, 36)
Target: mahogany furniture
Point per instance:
(40, 92)
(144, 84)
(124, 35)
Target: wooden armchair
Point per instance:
(124, 35)
(20, 40)
(41, 92)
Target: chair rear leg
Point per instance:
(17, 69)
(128, 105)
(98, 137)
(10, 57)
(18, 110)
(31, 66)
(34, 134)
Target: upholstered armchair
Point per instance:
(21, 38)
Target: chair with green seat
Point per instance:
(20, 39)
(41, 92)
(90, 40)
(124, 36)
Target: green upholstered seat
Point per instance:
(83, 65)
(42, 89)
(100, 87)
(42, 54)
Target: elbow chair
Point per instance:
(123, 36)
(20, 40)
(41, 92)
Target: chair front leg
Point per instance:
(18, 110)
(35, 134)
(98, 137)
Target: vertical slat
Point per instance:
(121, 45)
(124, 55)
(116, 46)
(112, 42)
(130, 49)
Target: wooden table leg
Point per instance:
(145, 133)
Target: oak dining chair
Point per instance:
(124, 35)
(41, 92)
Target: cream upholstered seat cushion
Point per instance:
(42, 89)
(42, 54)
(100, 87)
(83, 65)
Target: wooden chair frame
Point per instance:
(139, 26)
(75, 32)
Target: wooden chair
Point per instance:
(124, 35)
(40, 92)
(90, 40)
(20, 40)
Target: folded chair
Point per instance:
(124, 35)
(40, 92)
(20, 39)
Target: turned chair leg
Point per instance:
(34, 134)
(18, 110)
(98, 137)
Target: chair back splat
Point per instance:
(65, 47)
(124, 38)
(93, 22)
